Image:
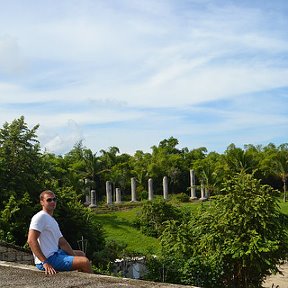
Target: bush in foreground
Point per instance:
(235, 242)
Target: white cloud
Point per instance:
(204, 85)
(137, 57)
(11, 61)
(70, 135)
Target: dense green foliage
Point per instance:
(20, 160)
(25, 171)
(77, 222)
(14, 219)
(24, 168)
(20, 178)
(234, 242)
(154, 214)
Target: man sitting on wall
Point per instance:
(50, 249)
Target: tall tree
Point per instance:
(21, 178)
(238, 160)
(21, 165)
(210, 171)
(166, 160)
(109, 158)
(139, 163)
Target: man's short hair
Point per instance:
(45, 192)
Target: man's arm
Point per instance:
(64, 245)
(33, 235)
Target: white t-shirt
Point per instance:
(49, 233)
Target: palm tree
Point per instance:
(238, 160)
(277, 163)
(93, 167)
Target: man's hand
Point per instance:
(49, 270)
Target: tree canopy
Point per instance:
(236, 240)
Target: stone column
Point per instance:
(87, 200)
(165, 187)
(87, 192)
(118, 196)
(192, 185)
(93, 199)
(133, 189)
(109, 192)
(203, 196)
(150, 189)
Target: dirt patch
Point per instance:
(278, 280)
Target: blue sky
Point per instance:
(130, 73)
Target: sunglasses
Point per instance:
(51, 199)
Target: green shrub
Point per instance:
(77, 221)
(154, 214)
(15, 219)
(110, 252)
(180, 198)
(236, 241)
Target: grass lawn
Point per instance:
(283, 206)
(118, 226)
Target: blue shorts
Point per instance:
(60, 261)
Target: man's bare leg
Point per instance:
(81, 262)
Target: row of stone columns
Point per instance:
(109, 197)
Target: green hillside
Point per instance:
(118, 226)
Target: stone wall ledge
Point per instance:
(14, 253)
(17, 275)
(13, 246)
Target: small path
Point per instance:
(278, 280)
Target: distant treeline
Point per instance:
(25, 169)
